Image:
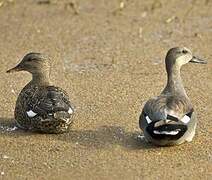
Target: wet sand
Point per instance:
(109, 57)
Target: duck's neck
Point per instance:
(174, 82)
(41, 78)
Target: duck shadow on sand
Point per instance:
(101, 138)
(9, 127)
(106, 137)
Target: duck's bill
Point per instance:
(15, 69)
(198, 60)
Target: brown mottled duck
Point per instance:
(41, 106)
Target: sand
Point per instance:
(109, 57)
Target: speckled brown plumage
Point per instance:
(50, 105)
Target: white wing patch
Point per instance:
(186, 119)
(148, 120)
(30, 113)
(166, 132)
(70, 111)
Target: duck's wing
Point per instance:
(155, 108)
(49, 100)
(179, 107)
(168, 107)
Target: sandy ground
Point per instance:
(109, 56)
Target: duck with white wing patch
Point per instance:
(169, 118)
(41, 106)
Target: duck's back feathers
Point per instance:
(168, 120)
(43, 108)
(160, 107)
(49, 100)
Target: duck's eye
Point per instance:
(31, 59)
(184, 51)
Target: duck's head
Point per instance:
(179, 56)
(34, 63)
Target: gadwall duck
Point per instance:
(41, 106)
(169, 119)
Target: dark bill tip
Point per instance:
(15, 69)
(198, 60)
